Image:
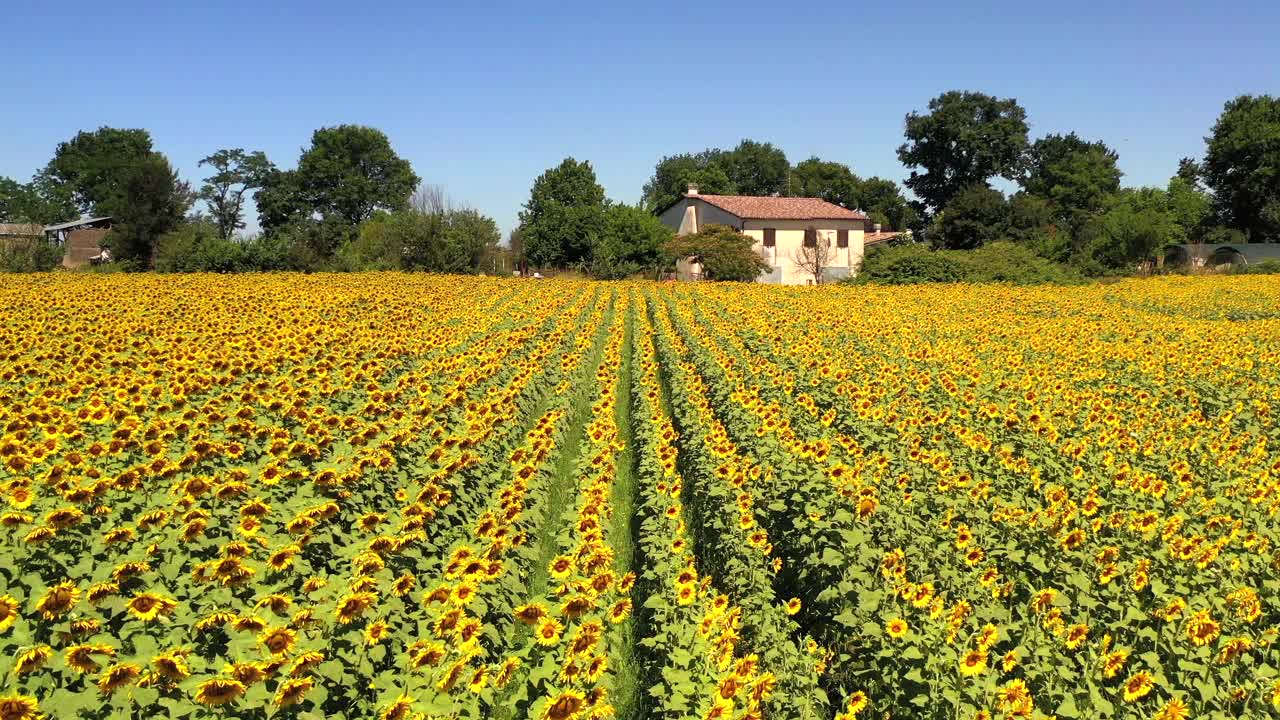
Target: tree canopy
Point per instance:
(564, 216)
(150, 201)
(236, 173)
(725, 253)
(1242, 166)
(964, 140)
(350, 171)
(1074, 175)
(89, 172)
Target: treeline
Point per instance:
(1069, 206)
(351, 204)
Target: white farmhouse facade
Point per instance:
(786, 233)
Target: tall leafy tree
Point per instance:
(883, 202)
(281, 200)
(235, 174)
(756, 168)
(831, 181)
(1242, 166)
(674, 173)
(1136, 223)
(631, 242)
(564, 216)
(351, 171)
(965, 139)
(28, 203)
(90, 170)
(974, 217)
(150, 202)
(1074, 175)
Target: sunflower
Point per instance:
(171, 665)
(1113, 662)
(376, 632)
(246, 672)
(505, 672)
(548, 631)
(219, 691)
(278, 640)
(399, 709)
(1202, 629)
(80, 657)
(1175, 709)
(479, 680)
(1138, 685)
(304, 662)
(1076, 635)
(564, 706)
(856, 703)
(148, 606)
(291, 691)
(8, 611)
(117, 676)
(19, 707)
(973, 663)
(353, 606)
(897, 628)
(792, 607)
(32, 660)
(58, 600)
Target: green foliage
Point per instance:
(965, 139)
(756, 168)
(351, 171)
(1003, 262)
(831, 181)
(1134, 226)
(90, 173)
(974, 217)
(725, 253)
(674, 173)
(883, 202)
(451, 241)
(151, 201)
(564, 216)
(200, 247)
(28, 255)
(280, 201)
(631, 243)
(27, 203)
(1242, 166)
(1075, 176)
(236, 173)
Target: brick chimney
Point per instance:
(693, 189)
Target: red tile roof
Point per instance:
(749, 207)
(872, 238)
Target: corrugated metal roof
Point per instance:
(76, 223)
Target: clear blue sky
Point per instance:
(482, 97)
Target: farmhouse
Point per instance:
(80, 239)
(789, 233)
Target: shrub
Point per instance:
(1003, 262)
(1266, 267)
(726, 254)
(198, 247)
(909, 265)
(29, 255)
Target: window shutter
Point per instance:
(842, 238)
(769, 240)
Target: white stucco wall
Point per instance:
(789, 237)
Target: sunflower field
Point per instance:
(410, 497)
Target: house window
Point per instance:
(842, 238)
(811, 238)
(769, 239)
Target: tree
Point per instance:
(1135, 224)
(631, 242)
(883, 202)
(814, 254)
(351, 171)
(88, 172)
(150, 202)
(1191, 208)
(974, 217)
(1242, 166)
(964, 140)
(281, 201)
(831, 181)
(756, 168)
(19, 202)
(725, 253)
(564, 216)
(1074, 175)
(236, 173)
(673, 175)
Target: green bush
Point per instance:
(197, 247)
(726, 254)
(29, 255)
(1003, 262)
(909, 265)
